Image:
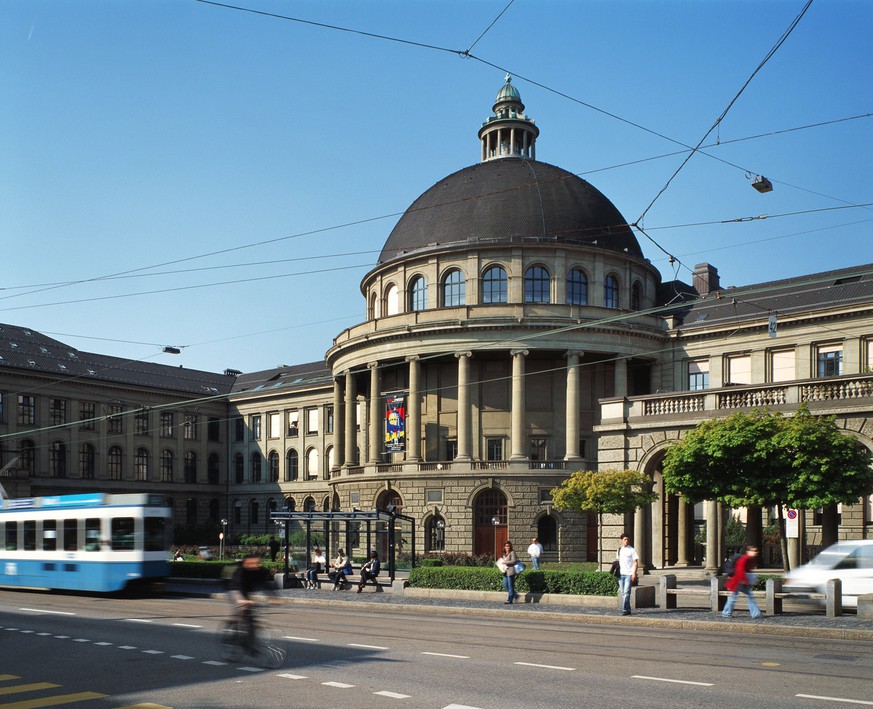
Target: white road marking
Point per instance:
(127, 647)
(288, 675)
(27, 632)
(153, 652)
(338, 685)
(835, 699)
(676, 681)
(547, 667)
(250, 669)
(40, 610)
(137, 620)
(368, 647)
(443, 654)
(104, 644)
(308, 640)
(214, 663)
(81, 640)
(62, 637)
(187, 625)
(392, 695)
(458, 706)
(42, 635)
(182, 657)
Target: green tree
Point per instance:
(605, 492)
(766, 459)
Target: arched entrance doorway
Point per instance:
(389, 500)
(490, 529)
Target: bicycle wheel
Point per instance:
(231, 641)
(270, 647)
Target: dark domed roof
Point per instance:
(510, 200)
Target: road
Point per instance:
(148, 653)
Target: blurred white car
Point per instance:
(849, 561)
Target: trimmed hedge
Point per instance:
(580, 583)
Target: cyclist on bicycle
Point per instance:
(249, 578)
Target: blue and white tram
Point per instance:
(85, 542)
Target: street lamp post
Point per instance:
(221, 539)
(494, 522)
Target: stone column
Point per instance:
(374, 454)
(351, 429)
(682, 533)
(639, 541)
(621, 376)
(338, 425)
(711, 513)
(571, 420)
(465, 414)
(518, 416)
(413, 411)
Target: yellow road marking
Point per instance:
(54, 701)
(4, 678)
(770, 664)
(28, 687)
(146, 705)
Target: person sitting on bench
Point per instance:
(370, 570)
(341, 568)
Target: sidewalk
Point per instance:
(812, 623)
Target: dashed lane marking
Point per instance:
(187, 625)
(153, 652)
(675, 681)
(835, 699)
(368, 647)
(338, 685)
(81, 640)
(288, 675)
(32, 687)
(103, 643)
(545, 667)
(392, 695)
(138, 620)
(308, 640)
(250, 669)
(128, 647)
(214, 663)
(458, 706)
(182, 657)
(6, 678)
(42, 610)
(54, 701)
(443, 654)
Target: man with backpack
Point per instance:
(741, 581)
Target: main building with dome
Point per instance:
(513, 333)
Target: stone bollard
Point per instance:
(865, 606)
(717, 601)
(667, 600)
(773, 601)
(834, 598)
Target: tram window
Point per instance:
(49, 535)
(154, 534)
(122, 533)
(11, 536)
(92, 534)
(71, 535)
(30, 535)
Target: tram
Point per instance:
(85, 542)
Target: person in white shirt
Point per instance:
(535, 550)
(628, 563)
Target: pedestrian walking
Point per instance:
(507, 565)
(741, 581)
(628, 564)
(536, 551)
(274, 548)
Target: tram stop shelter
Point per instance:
(387, 530)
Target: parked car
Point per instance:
(850, 561)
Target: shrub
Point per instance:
(584, 583)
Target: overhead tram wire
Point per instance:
(470, 48)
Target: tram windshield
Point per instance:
(155, 534)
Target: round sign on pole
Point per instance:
(792, 524)
(792, 514)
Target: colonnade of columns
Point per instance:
(345, 399)
(495, 144)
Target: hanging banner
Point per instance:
(395, 423)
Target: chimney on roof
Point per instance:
(705, 279)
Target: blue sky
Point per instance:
(177, 173)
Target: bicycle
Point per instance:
(266, 648)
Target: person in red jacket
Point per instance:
(741, 581)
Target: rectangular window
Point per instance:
(87, 414)
(122, 534)
(274, 425)
(115, 422)
(867, 367)
(141, 423)
(71, 535)
(829, 359)
(155, 534)
(782, 366)
(329, 417)
(451, 449)
(537, 448)
(189, 432)
(293, 423)
(358, 416)
(29, 534)
(167, 424)
(92, 534)
(255, 427)
(739, 370)
(57, 412)
(26, 410)
(213, 429)
(49, 535)
(433, 497)
(355, 498)
(546, 495)
(698, 375)
(11, 536)
(311, 421)
(494, 449)
(239, 429)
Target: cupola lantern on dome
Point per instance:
(508, 133)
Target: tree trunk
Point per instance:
(783, 540)
(599, 540)
(829, 525)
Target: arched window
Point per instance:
(166, 466)
(256, 467)
(392, 300)
(190, 467)
(325, 504)
(141, 464)
(274, 466)
(290, 505)
(254, 512)
(418, 294)
(454, 289)
(636, 296)
(292, 465)
(537, 285)
(191, 512)
(214, 510)
(237, 511)
(309, 504)
(330, 461)
(27, 457)
(212, 469)
(494, 285)
(610, 292)
(372, 306)
(58, 459)
(577, 287)
(87, 461)
(435, 536)
(312, 464)
(114, 462)
(239, 469)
